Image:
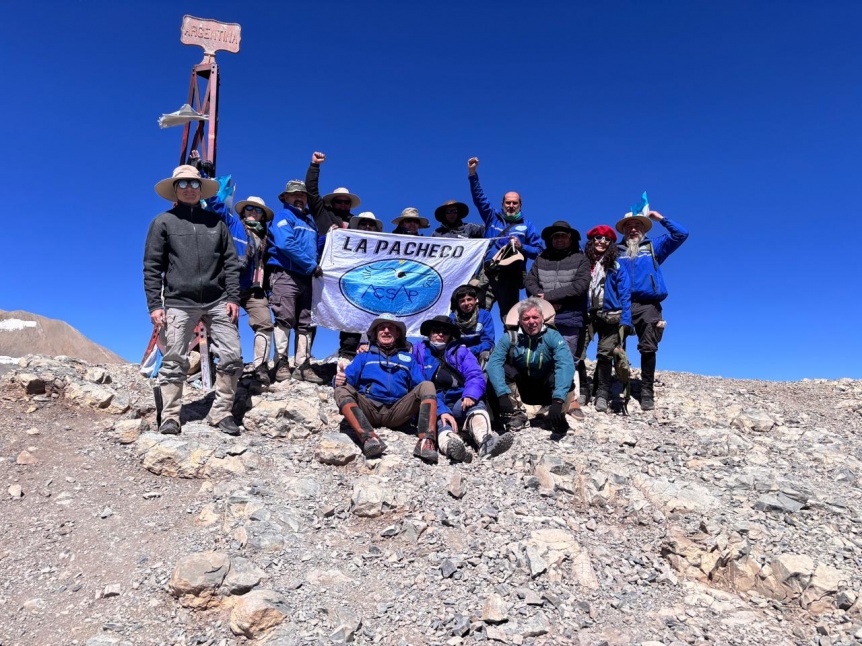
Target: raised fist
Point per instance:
(318, 158)
(472, 163)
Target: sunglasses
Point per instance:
(602, 239)
(341, 202)
(367, 225)
(451, 209)
(185, 183)
(440, 330)
(253, 209)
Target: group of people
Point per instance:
(460, 383)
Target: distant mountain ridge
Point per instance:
(24, 333)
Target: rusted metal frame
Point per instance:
(205, 102)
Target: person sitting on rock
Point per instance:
(451, 216)
(385, 386)
(609, 306)
(475, 324)
(561, 276)
(409, 222)
(191, 274)
(460, 385)
(537, 368)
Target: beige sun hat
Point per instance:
(253, 200)
(342, 192)
(411, 213)
(368, 216)
(628, 217)
(165, 188)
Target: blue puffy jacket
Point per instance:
(383, 377)
(292, 241)
(534, 357)
(497, 227)
(481, 338)
(647, 281)
(463, 361)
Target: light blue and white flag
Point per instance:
(366, 273)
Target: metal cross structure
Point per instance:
(212, 36)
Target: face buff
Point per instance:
(512, 218)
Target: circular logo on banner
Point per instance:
(399, 287)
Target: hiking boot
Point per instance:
(517, 421)
(583, 398)
(282, 370)
(647, 400)
(261, 375)
(577, 414)
(601, 405)
(228, 426)
(426, 450)
(494, 445)
(170, 427)
(306, 372)
(456, 450)
(373, 447)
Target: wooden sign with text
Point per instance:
(212, 35)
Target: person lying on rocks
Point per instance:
(536, 368)
(476, 326)
(385, 386)
(460, 385)
(609, 306)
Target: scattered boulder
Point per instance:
(256, 612)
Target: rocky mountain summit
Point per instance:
(730, 515)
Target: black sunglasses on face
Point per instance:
(341, 201)
(439, 330)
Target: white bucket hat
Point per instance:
(342, 192)
(367, 216)
(253, 200)
(165, 188)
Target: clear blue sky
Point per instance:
(740, 119)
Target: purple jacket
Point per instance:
(471, 385)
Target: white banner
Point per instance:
(366, 274)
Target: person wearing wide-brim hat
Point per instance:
(460, 384)
(191, 274)
(334, 209)
(643, 257)
(292, 262)
(475, 324)
(248, 231)
(385, 386)
(561, 276)
(366, 221)
(451, 216)
(409, 222)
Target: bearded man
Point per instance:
(643, 257)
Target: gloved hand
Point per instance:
(556, 415)
(318, 272)
(506, 407)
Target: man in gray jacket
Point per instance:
(191, 274)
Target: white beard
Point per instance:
(632, 247)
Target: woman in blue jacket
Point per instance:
(460, 385)
(610, 305)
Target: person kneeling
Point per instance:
(460, 385)
(385, 387)
(535, 368)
